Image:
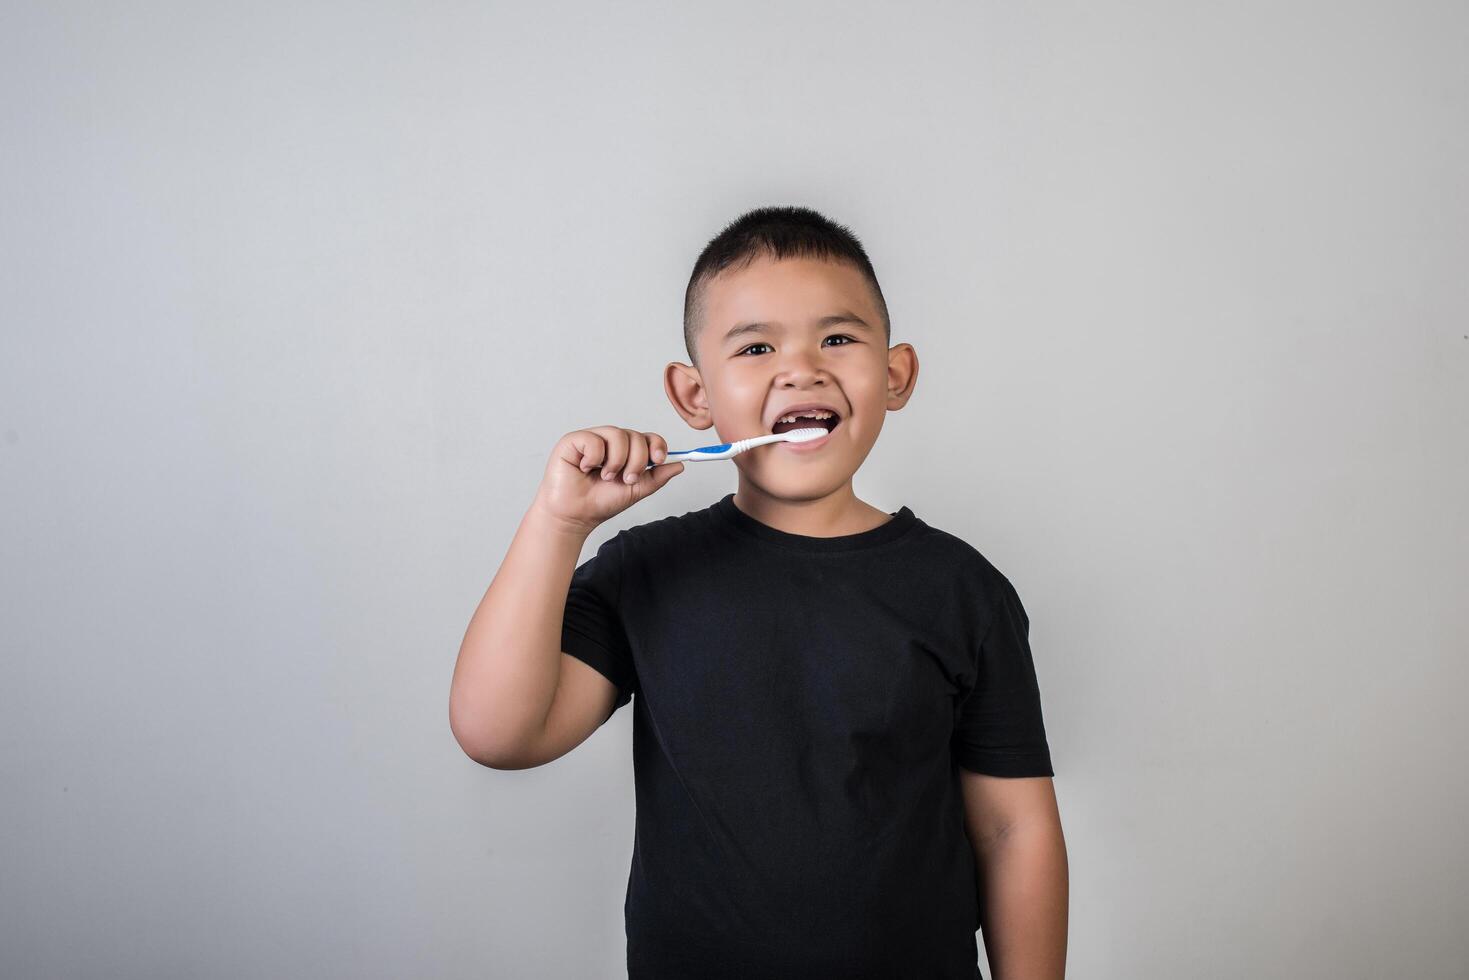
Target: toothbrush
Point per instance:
(729, 449)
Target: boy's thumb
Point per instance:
(662, 474)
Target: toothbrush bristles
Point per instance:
(804, 435)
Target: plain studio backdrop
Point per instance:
(297, 298)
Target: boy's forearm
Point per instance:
(1023, 910)
(510, 661)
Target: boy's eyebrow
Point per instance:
(830, 320)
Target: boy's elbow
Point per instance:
(485, 747)
(583, 700)
(495, 756)
(504, 763)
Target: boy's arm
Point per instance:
(517, 700)
(512, 701)
(1014, 828)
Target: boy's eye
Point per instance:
(832, 337)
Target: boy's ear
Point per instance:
(902, 375)
(685, 388)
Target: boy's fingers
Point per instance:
(657, 448)
(637, 457)
(616, 453)
(623, 454)
(593, 450)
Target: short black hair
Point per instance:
(781, 233)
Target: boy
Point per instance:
(840, 764)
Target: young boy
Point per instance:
(840, 763)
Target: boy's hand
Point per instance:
(585, 480)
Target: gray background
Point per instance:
(297, 298)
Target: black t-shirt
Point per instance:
(802, 705)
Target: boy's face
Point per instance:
(797, 346)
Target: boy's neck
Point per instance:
(833, 515)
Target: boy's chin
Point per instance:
(816, 475)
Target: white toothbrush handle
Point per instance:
(723, 451)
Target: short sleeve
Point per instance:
(591, 629)
(1000, 731)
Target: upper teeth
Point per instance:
(815, 413)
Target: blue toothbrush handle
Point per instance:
(725, 450)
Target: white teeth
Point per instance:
(812, 414)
